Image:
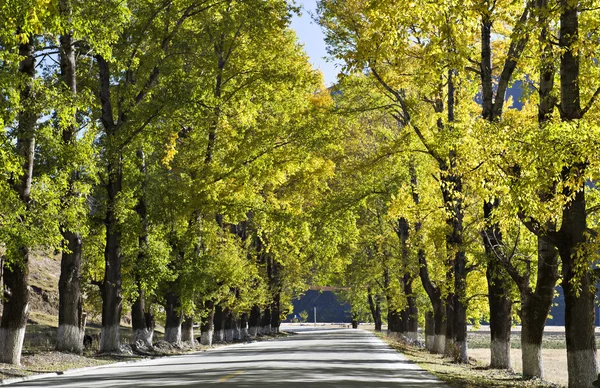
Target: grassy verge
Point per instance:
(474, 375)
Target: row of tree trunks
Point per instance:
(15, 271)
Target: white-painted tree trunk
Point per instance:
(412, 335)
(229, 335)
(173, 335)
(244, 333)
(206, 338)
(393, 335)
(236, 333)
(430, 343)
(449, 348)
(266, 329)
(143, 335)
(462, 350)
(439, 344)
(70, 337)
(218, 336)
(253, 331)
(500, 354)
(579, 364)
(533, 365)
(187, 336)
(11, 344)
(110, 339)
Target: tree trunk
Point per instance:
(439, 310)
(187, 332)
(229, 325)
(375, 307)
(15, 273)
(276, 314)
(142, 321)
(429, 331)
(111, 286)
(254, 321)
(412, 311)
(578, 284)
(498, 291)
(174, 318)
(450, 336)
(244, 327)
(394, 321)
(15, 310)
(579, 291)
(535, 307)
(500, 317)
(219, 323)
(143, 327)
(206, 328)
(266, 321)
(71, 323)
(439, 318)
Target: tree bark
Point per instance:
(15, 272)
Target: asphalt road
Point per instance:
(316, 357)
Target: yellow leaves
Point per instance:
(170, 150)
(321, 99)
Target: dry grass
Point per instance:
(555, 362)
(474, 375)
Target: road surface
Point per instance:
(316, 357)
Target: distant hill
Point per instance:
(329, 308)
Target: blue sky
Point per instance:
(309, 33)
